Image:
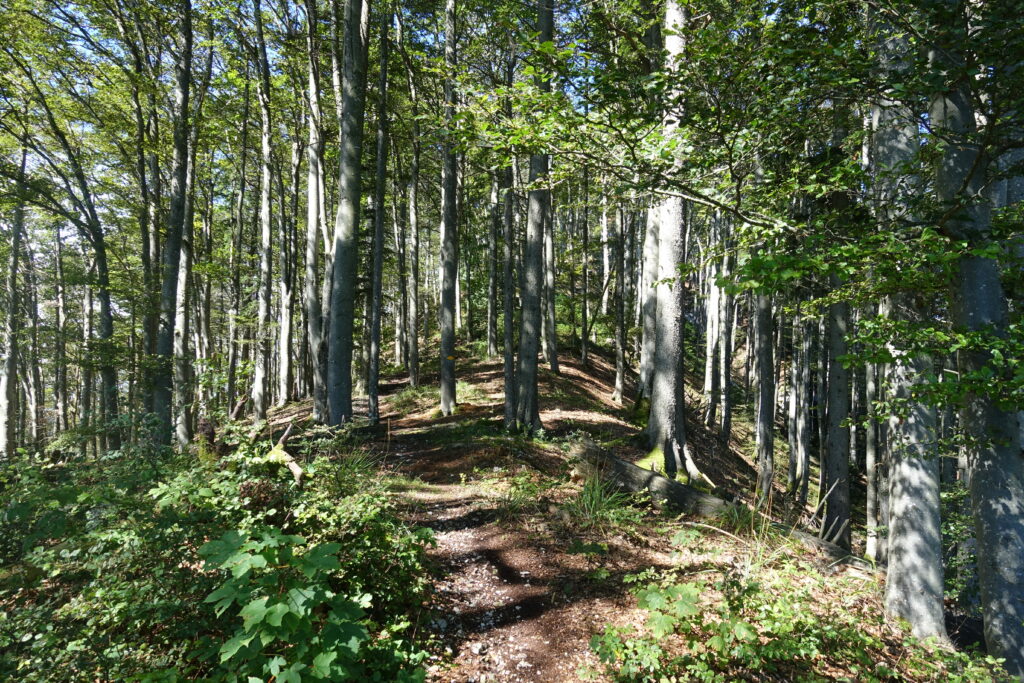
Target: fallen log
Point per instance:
(280, 455)
(628, 477)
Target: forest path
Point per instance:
(509, 602)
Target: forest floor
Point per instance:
(524, 575)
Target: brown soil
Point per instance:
(510, 604)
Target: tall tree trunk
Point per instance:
(550, 326)
(585, 229)
(712, 331)
(667, 421)
(649, 307)
(871, 461)
(527, 408)
(261, 374)
(162, 379)
(85, 401)
(288, 277)
(994, 466)
(9, 362)
(378, 221)
(914, 581)
(343, 277)
(237, 228)
(763, 336)
(621, 277)
(836, 464)
(449, 224)
(804, 331)
(60, 388)
(725, 342)
(508, 291)
(492, 268)
(182, 396)
(414, 250)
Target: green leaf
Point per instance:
(276, 613)
(254, 612)
(231, 647)
(322, 664)
(661, 624)
(744, 631)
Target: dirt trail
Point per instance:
(510, 603)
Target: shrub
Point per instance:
(101, 575)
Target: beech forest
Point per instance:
(511, 340)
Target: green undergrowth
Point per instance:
(752, 609)
(180, 567)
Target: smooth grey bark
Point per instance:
(492, 268)
(171, 252)
(550, 324)
(9, 362)
(183, 395)
(527, 402)
(871, 461)
(289, 211)
(373, 379)
(667, 418)
(412, 195)
(398, 219)
(449, 224)
(234, 258)
(978, 304)
(32, 360)
(414, 262)
(314, 201)
(163, 373)
(914, 580)
(619, 265)
(85, 399)
(508, 291)
(804, 331)
(261, 374)
(712, 332)
(346, 225)
(585, 294)
(60, 385)
(765, 439)
(649, 303)
(606, 253)
(836, 464)
(725, 341)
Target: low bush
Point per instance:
(220, 571)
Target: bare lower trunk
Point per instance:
(551, 338)
(763, 335)
(449, 228)
(527, 400)
(344, 267)
(649, 303)
(914, 581)
(378, 224)
(9, 362)
(836, 464)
